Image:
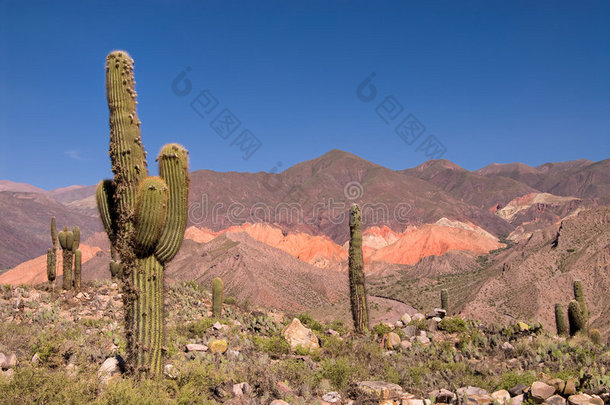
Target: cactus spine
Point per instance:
(445, 300)
(576, 318)
(217, 297)
(579, 296)
(357, 288)
(144, 217)
(560, 320)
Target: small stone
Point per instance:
(218, 346)
(279, 402)
(196, 347)
(517, 389)
(541, 391)
(35, 359)
(418, 317)
(522, 326)
(282, 388)
(332, 397)
(242, 389)
(507, 347)
(217, 325)
(298, 335)
(424, 340)
(380, 389)
(332, 332)
(405, 318)
(8, 373)
(555, 400)
(398, 324)
(501, 396)
(579, 399)
(80, 295)
(470, 390)
(170, 372)
(441, 313)
(392, 341)
(437, 319)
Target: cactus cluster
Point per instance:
(144, 217)
(578, 314)
(217, 297)
(357, 287)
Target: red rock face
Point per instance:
(35, 271)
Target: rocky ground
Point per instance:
(58, 347)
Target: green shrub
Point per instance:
(274, 345)
(453, 325)
(381, 329)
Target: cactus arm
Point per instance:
(104, 196)
(217, 297)
(76, 238)
(54, 233)
(173, 168)
(151, 209)
(51, 265)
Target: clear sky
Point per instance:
(493, 81)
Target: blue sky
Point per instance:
(492, 81)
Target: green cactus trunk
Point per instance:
(576, 318)
(52, 254)
(579, 295)
(77, 269)
(66, 241)
(51, 266)
(357, 286)
(560, 320)
(217, 297)
(144, 217)
(445, 300)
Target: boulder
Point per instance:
(405, 319)
(8, 362)
(219, 346)
(517, 389)
(441, 313)
(424, 340)
(522, 326)
(540, 391)
(380, 389)
(392, 341)
(470, 390)
(298, 335)
(405, 345)
(516, 400)
(570, 387)
(507, 347)
(501, 396)
(170, 372)
(443, 396)
(418, 317)
(579, 399)
(241, 389)
(410, 331)
(110, 369)
(555, 400)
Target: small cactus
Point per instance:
(357, 287)
(575, 318)
(445, 300)
(560, 320)
(217, 297)
(596, 336)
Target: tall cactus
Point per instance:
(144, 217)
(445, 300)
(52, 254)
(217, 297)
(357, 287)
(560, 320)
(579, 295)
(66, 241)
(576, 318)
(77, 269)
